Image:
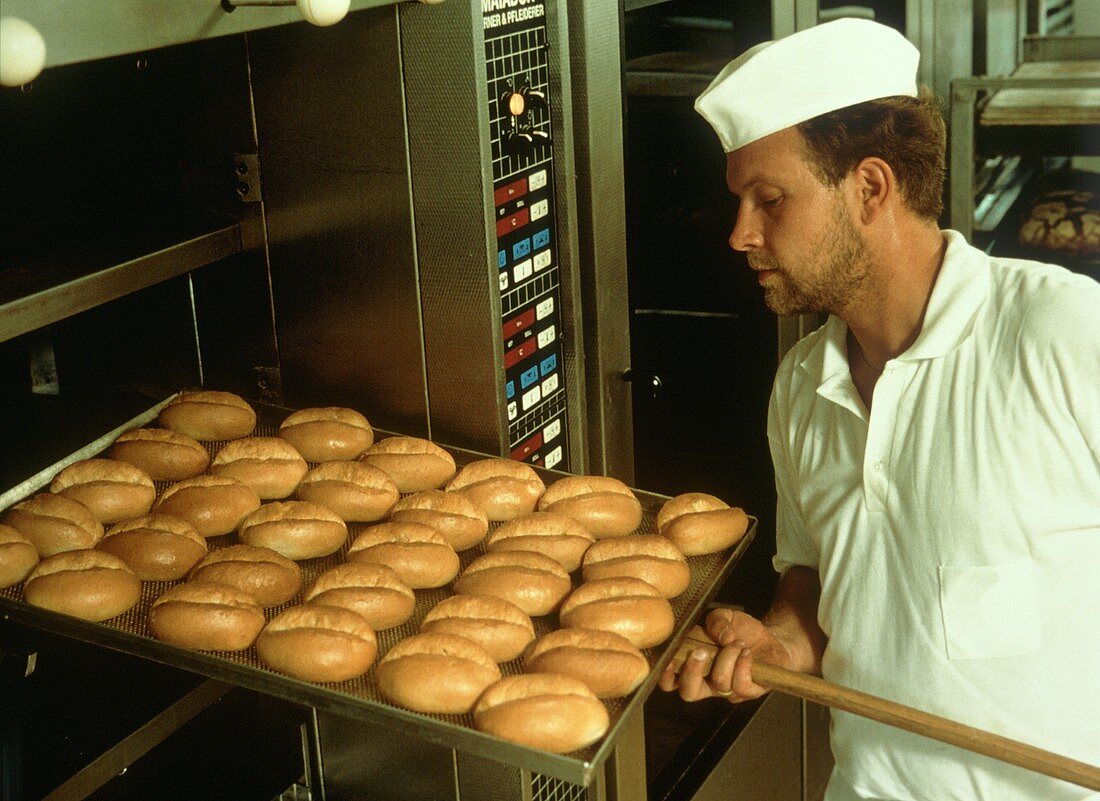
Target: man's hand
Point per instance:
(707, 671)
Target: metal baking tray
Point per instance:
(360, 698)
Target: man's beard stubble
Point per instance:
(828, 286)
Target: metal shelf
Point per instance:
(37, 295)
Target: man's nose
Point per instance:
(746, 234)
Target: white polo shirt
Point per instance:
(956, 528)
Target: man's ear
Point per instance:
(876, 186)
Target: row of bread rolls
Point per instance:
(525, 569)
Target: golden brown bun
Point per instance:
(500, 627)
(318, 643)
(418, 553)
(503, 488)
(542, 710)
(373, 591)
(605, 506)
(269, 577)
(356, 491)
(436, 673)
(113, 490)
(209, 415)
(213, 505)
(18, 556)
(164, 455)
(608, 663)
(533, 582)
(457, 520)
(296, 529)
(327, 433)
(91, 585)
(270, 466)
(414, 464)
(156, 547)
(627, 606)
(561, 538)
(54, 523)
(700, 523)
(206, 616)
(649, 557)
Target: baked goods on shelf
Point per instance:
(206, 616)
(650, 557)
(208, 415)
(436, 673)
(457, 519)
(604, 505)
(213, 505)
(608, 663)
(163, 454)
(54, 523)
(91, 585)
(296, 529)
(327, 433)
(503, 488)
(417, 553)
(561, 538)
(18, 556)
(318, 643)
(543, 710)
(111, 489)
(156, 547)
(498, 626)
(533, 582)
(414, 464)
(700, 523)
(356, 491)
(267, 576)
(269, 466)
(373, 591)
(626, 606)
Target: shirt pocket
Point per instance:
(989, 611)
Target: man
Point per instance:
(936, 442)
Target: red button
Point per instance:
(510, 192)
(518, 323)
(509, 224)
(518, 354)
(528, 447)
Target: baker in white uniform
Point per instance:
(936, 443)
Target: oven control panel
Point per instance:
(518, 84)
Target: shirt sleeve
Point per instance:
(794, 546)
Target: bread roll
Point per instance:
(650, 557)
(213, 505)
(417, 553)
(533, 582)
(605, 506)
(373, 591)
(90, 585)
(327, 433)
(18, 556)
(503, 488)
(458, 521)
(608, 663)
(54, 523)
(414, 464)
(318, 643)
(627, 606)
(208, 415)
(356, 491)
(500, 627)
(700, 523)
(436, 673)
(156, 547)
(113, 490)
(164, 455)
(561, 538)
(542, 710)
(296, 529)
(270, 466)
(206, 616)
(267, 576)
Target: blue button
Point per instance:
(541, 238)
(502, 258)
(521, 248)
(528, 377)
(548, 364)
(510, 389)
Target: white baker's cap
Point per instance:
(775, 85)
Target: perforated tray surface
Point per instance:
(360, 697)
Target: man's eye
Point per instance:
(772, 202)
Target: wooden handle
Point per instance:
(904, 717)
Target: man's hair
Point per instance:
(908, 133)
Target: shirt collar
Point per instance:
(960, 289)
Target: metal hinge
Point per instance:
(246, 174)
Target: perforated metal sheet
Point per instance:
(360, 697)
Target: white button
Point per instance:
(553, 457)
(877, 465)
(513, 410)
(546, 336)
(549, 385)
(522, 270)
(537, 180)
(544, 309)
(551, 431)
(540, 209)
(531, 397)
(542, 259)
(503, 281)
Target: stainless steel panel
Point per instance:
(329, 116)
(817, 756)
